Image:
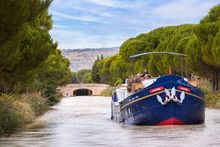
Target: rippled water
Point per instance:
(85, 121)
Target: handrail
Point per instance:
(148, 53)
(171, 53)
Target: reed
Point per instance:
(108, 91)
(38, 104)
(54, 99)
(212, 99)
(18, 110)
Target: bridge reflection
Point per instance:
(82, 92)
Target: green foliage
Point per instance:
(131, 47)
(102, 57)
(74, 77)
(30, 59)
(24, 43)
(212, 100)
(52, 73)
(118, 70)
(11, 23)
(37, 103)
(88, 78)
(208, 34)
(95, 71)
(194, 58)
(10, 116)
(82, 76)
(108, 91)
(54, 99)
(172, 39)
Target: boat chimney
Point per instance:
(170, 70)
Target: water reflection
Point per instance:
(85, 121)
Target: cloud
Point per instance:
(119, 3)
(108, 3)
(61, 26)
(78, 39)
(183, 9)
(106, 23)
(86, 18)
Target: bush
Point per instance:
(37, 102)
(13, 114)
(212, 99)
(54, 99)
(119, 81)
(108, 91)
(18, 110)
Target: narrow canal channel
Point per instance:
(85, 121)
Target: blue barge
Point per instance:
(169, 100)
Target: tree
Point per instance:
(83, 75)
(25, 40)
(52, 73)
(102, 57)
(74, 78)
(208, 35)
(118, 70)
(95, 72)
(30, 59)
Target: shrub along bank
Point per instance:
(108, 91)
(18, 110)
(212, 100)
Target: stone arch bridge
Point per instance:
(91, 89)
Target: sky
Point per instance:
(108, 23)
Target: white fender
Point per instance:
(182, 96)
(160, 99)
(173, 92)
(167, 92)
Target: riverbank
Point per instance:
(212, 99)
(19, 110)
(108, 91)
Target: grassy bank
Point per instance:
(212, 99)
(108, 91)
(18, 110)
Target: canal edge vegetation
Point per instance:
(108, 91)
(18, 110)
(31, 65)
(201, 43)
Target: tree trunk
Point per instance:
(213, 81)
(217, 80)
(2, 86)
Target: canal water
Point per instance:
(85, 121)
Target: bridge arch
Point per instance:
(82, 92)
(74, 89)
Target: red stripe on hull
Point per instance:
(171, 121)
